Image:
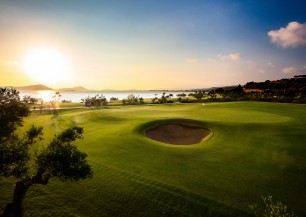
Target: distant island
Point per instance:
(38, 87)
(78, 88)
(34, 87)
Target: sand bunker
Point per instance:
(178, 134)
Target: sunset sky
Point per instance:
(150, 44)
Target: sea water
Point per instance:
(77, 96)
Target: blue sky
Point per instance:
(153, 44)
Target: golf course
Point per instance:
(250, 149)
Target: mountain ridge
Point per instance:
(34, 87)
(77, 88)
(38, 87)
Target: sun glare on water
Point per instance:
(45, 95)
(46, 65)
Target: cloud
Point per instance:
(233, 56)
(271, 65)
(191, 60)
(290, 70)
(293, 35)
(293, 70)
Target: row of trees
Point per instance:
(55, 98)
(226, 95)
(132, 99)
(52, 104)
(31, 100)
(277, 92)
(59, 158)
(284, 90)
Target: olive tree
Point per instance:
(132, 100)
(12, 110)
(60, 158)
(198, 95)
(95, 101)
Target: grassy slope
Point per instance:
(257, 149)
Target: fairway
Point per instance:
(256, 149)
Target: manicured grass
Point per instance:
(256, 149)
(62, 105)
(70, 104)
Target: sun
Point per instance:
(46, 65)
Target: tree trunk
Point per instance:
(15, 208)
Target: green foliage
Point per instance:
(15, 153)
(292, 90)
(95, 101)
(212, 94)
(69, 135)
(12, 111)
(284, 90)
(55, 99)
(30, 100)
(181, 95)
(14, 150)
(163, 99)
(271, 209)
(187, 100)
(198, 95)
(63, 160)
(113, 98)
(60, 159)
(133, 100)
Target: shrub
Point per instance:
(271, 209)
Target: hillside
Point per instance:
(285, 90)
(78, 88)
(34, 87)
